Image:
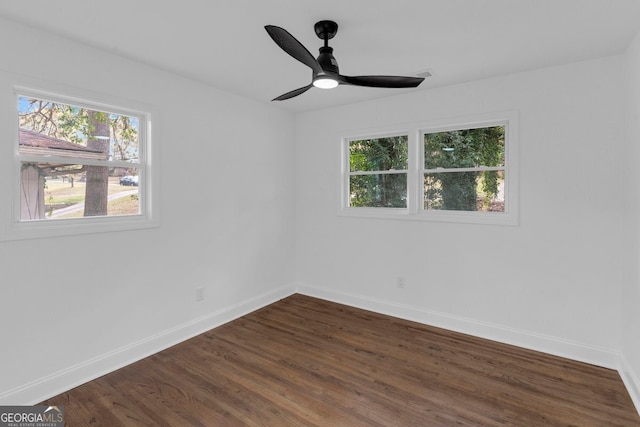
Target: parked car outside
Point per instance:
(129, 180)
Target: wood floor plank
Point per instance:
(308, 362)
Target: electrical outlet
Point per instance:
(400, 283)
(199, 294)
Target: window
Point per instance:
(458, 172)
(378, 172)
(464, 169)
(80, 167)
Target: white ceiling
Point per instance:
(223, 43)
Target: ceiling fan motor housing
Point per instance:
(327, 61)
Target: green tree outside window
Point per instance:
(378, 175)
(456, 175)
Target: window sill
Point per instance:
(55, 228)
(488, 218)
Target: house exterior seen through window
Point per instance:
(76, 161)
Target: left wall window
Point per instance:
(81, 166)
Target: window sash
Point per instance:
(347, 199)
(142, 117)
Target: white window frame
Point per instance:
(415, 175)
(348, 173)
(13, 228)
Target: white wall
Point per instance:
(76, 307)
(552, 283)
(631, 292)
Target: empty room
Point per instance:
(338, 213)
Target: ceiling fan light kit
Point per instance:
(325, 71)
(325, 82)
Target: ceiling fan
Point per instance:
(326, 74)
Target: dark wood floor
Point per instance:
(308, 362)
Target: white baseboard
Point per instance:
(504, 334)
(631, 381)
(73, 376)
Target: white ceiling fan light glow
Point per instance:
(325, 82)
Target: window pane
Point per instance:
(464, 191)
(59, 191)
(378, 154)
(378, 191)
(464, 148)
(53, 128)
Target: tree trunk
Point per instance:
(96, 191)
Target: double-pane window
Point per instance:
(80, 167)
(378, 172)
(443, 172)
(77, 161)
(464, 169)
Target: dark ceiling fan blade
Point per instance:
(293, 47)
(382, 81)
(293, 93)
